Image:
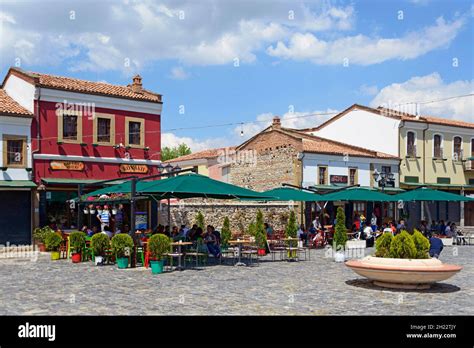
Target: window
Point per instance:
(135, 130)
(104, 129)
(411, 146)
(437, 146)
(14, 151)
(322, 176)
(353, 176)
(69, 126)
(386, 169)
(457, 148)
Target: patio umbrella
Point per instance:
(427, 194)
(358, 194)
(291, 194)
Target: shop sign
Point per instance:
(338, 179)
(66, 165)
(134, 168)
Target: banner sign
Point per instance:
(134, 168)
(338, 179)
(66, 165)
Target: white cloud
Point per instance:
(364, 50)
(178, 73)
(368, 90)
(427, 88)
(172, 140)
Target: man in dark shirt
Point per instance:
(436, 246)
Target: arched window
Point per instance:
(411, 147)
(457, 148)
(437, 146)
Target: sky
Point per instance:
(226, 68)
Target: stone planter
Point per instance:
(403, 273)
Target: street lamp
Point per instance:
(383, 178)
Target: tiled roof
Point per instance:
(9, 107)
(205, 154)
(83, 86)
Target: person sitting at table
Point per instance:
(183, 232)
(174, 233)
(386, 228)
(107, 231)
(436, 246)
(369, 236)
(318, 239)
(441, 227)
(192, 233)
(450, 228)
(301, 234)
(210, 240)
(167, 231)
(87, 231)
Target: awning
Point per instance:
(427, 194)
(291, 194)
(358, 194)
(68, 181)
(17, 183)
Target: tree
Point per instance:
(291, 230)
(340, 233)
(168, 153)
(260, 233)
(225, 232)
(200, 220)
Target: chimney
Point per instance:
(137, 84)
(276, 124)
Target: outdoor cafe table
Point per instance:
(290, 249)
(239, 243)
(179, 245)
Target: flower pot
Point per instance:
(403, 273)
(122, 262)
(55, 255)
(339, 256)
(92, 211)
(76, 257)
(114, 211)
(99, 260)
(41, 247)
(86, 211)
(156, 266)
(261, 252)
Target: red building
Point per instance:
(83, 132)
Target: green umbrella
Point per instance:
(291, 194)
(183, 186)
(427, 194)
(358, 194)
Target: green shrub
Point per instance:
(260, 233)
(77, 241)
(100, 242)
(226, 235)
(252, 229)
(52, 241)
(422, 245)
(39, 234)
(291, 230)
(122, 245)
(200, 220)
(159, 245)
(382, 245)
(340, 233)
(403, 246)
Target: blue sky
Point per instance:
(290, 56)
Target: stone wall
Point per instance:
(240, 214)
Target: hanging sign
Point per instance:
(66, 165)
(134, 168)
(338, 179)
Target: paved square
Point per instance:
(316, 287)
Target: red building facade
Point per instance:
(84, 132)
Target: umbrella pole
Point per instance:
(169, 214)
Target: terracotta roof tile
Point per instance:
(204, 154)
(83, 86)
(9, 107)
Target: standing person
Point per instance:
(369, 238)
(119, 218)
(373, 222)
(302, 234)
(356, 221)
(104, 217)
(268, 229)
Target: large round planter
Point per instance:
(122, 262)
(403, 273)
(156, 266)
(76, 257)
(55, 255)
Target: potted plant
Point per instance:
(403, 262)
(100, 242)
(158, 245)
(340, 236)
(260, 235)
(291, 231)
(52, 242)
(91, 209)
(226, 234)
(39, 235)
(77, 241)
(114, 210)
(200, 220)
(122, 246)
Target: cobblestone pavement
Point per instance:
(316, 287)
